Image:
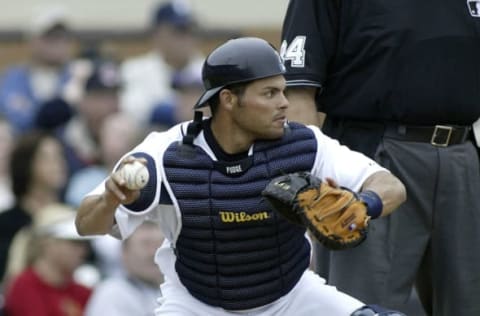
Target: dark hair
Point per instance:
(237, 88)
(21, 160)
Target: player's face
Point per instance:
(261, 111)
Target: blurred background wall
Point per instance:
(121, 25)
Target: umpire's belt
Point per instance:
(438, 135)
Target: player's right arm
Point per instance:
(96, 213)
(111, 208)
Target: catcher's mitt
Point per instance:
(335, 216)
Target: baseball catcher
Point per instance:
(336, 217)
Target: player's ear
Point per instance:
(227, 99)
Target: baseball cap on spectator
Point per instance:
(105, 76)
(176, 12)
(51, 20)
(57, 221)
(53, 113)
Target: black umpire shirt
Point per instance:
(411, 61)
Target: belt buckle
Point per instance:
(439, 129)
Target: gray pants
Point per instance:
(432, 241)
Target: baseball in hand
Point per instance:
(135, 175)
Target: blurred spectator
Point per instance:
(147, 78)
(53, 114)
(136, 293)
(38, 176)
(24, 87)
(54, 252)
(58, 111)
(80, 135)
(188, 87)
(118, 134)
(19, 252)
(6, 143)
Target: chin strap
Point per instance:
(186, 148)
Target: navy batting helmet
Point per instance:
(238, 60)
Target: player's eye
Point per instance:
(270, 93)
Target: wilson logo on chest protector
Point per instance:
(234, 217)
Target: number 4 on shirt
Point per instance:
(295, 52)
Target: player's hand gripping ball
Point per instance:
(135, 175)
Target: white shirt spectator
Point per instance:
(147, 80)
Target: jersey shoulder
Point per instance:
(155, 143)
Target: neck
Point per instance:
(229, 137)
(49, 273)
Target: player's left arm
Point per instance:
(388, 188)
(377, 186)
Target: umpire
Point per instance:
(400, 82)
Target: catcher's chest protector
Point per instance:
(233, 251)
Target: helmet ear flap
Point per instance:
(237, 61)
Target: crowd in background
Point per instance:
(66, 116)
